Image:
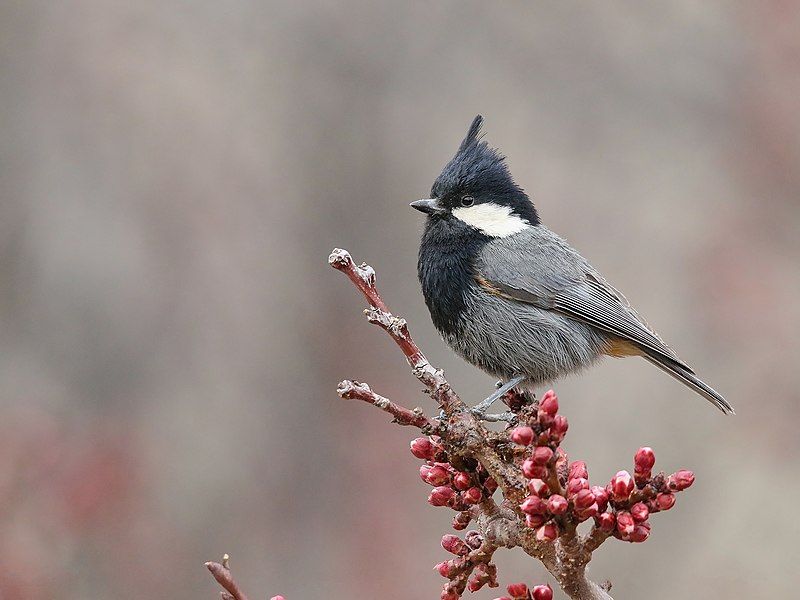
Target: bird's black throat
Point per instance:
(445, 268)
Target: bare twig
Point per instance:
(361, 391)
(222, 574)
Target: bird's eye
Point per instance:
(467, 201)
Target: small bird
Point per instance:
(512, 297)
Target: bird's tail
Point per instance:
(690, 380)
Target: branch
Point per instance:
(222, 574)
(363, 277)
(402, 416)
(544, 496)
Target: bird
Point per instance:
(512, 297)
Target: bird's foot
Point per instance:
(480, 410)
(498, 393)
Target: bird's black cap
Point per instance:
(481, 171)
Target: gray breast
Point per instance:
(507, 338)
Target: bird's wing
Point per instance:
(539, 268)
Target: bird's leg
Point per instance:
(480, 409)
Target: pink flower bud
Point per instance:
(423, 472)
(587, 513)
(422, 448)
(538, 487)
(680, 480)
(547, 532)
(576, 485)
(490, 485)
(443, 568)
(438, 475)
(504, 598)
(441, 496)
(462, 481)
(522, 435)
(621, 485)
(640, 533)
(578, 470)
(665, 501)
(625, 524)
(542, 455)
(559, 428)
(606, 521)
(542, 592)
(527, 468)
(557, 505)
(277, 598)
(644, 460)
(533, 505)
(518, 591)
(454, 545)
(583, 499)
(475, 583)
(472, 495)
(448, 594)
(640, 512)
(600, 496)
(549, 403)
(533, 471)
(534, 521)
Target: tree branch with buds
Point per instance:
(545, 497)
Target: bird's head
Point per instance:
(476, 188)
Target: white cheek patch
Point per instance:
(492, 219)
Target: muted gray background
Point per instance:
(173, 176)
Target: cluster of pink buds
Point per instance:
(470, 570)
(561, 495)
(456, 488)
(520, 591)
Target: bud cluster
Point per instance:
(561, 496)
(470, 570)
(456, 488)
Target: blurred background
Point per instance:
(173, 176)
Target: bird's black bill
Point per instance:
(429, 206)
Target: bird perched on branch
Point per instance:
(512, 297)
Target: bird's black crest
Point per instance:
(479, 170)
(472, 134)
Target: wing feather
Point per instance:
(540, 268)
